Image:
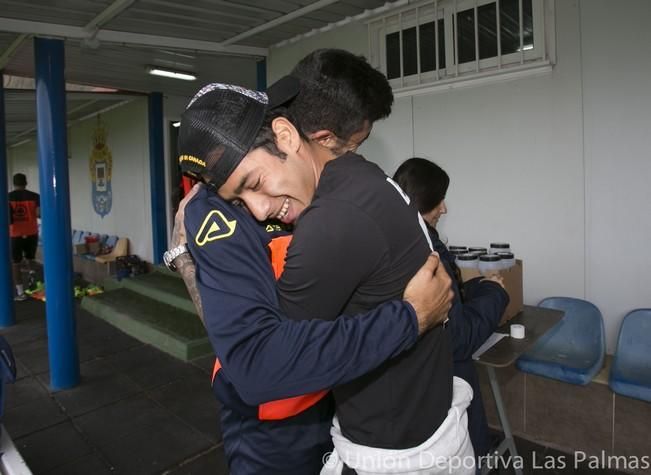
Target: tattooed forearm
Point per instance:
(185, 267)
(184, 263)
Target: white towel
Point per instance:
(447, 451)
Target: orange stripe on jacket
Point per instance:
(186, 184)
(278, 247)
(282, 408)
(216, 368)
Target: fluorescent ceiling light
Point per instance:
(176, 124)
(18, 144)
(169, 73)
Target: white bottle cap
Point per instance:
(517, 331)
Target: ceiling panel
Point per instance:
(186, 37)
(21, 111)
(63, 12)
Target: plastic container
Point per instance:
(496, 247)
(467, 261)
(458, 248)
(478, 250)
(489, 264)
(517, 331)
(457, 252)
(508, 259)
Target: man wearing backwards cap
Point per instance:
(220, 150)
(261, 355)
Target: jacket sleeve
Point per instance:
(477, 317)
(263, 354)
(268, 357)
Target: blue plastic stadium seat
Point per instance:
(573, 351)
(80, 237)
(111, 241)
(630, 374)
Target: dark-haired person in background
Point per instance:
(24, 210)
(476, 312)
(348, 93)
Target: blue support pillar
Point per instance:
(55, 212)
(261, 80)
(157, 176)
(6, 288)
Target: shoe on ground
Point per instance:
(21, 298)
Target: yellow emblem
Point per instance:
(190, 158)
(215, 226)
(270, 228)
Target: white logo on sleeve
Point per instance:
(421, 221)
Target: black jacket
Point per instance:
(476, 308)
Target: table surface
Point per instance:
(536, 320)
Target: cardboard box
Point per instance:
(512, 285)
(93, 247)
(79, 249)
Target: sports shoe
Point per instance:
(20, 298)
(31, 280)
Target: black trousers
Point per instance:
(477, 422)
(23, 246)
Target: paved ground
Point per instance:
(136, 411)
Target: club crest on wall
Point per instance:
(101, 163)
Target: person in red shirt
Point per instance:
(24, 209)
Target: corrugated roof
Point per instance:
(110, 43)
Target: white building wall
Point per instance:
(513, 152)
(23, 159)
(352, 37)
(128, 140)
(557, 164)
(616, 45)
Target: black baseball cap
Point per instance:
(220, 124)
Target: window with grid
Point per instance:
(447, 40)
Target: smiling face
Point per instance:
(271, 187)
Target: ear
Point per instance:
(325, 138)
(288, 140)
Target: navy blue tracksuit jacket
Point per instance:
(266, 357)
(474, 316)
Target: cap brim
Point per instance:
(283, 91)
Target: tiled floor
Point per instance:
(535, 459)
(136, 411)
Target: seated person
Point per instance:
(476, 312)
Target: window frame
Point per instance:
(542, 55)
